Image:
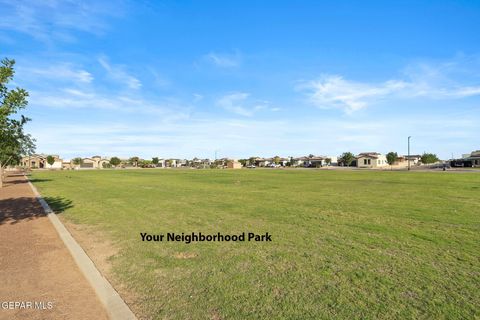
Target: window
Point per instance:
(364, 161)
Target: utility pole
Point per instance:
(409, 152)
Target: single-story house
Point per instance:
(473, 158)
(201, 163)
(415, 159)
(39, 161)
(371, 160)
(315, 161)
(234, 164)
(95, 162)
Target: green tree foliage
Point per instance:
(50, 160)
(77, 161)
(328, 161)
(290, 162)
(392, 157)
(134, 161)
(429, 158)
(276, 159)
(14, 142)
(115, 161)
(155, 160)
(346, 158)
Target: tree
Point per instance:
(391, 158)
(155, 161)
(328, 161)
(134, 161)
(429, 158)
(50, 160)
(77, 161)
(276, 159)
(346, 158)
(291, 162)
(14, 142)
(251, 161)
(114, 161)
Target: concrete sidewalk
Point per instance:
(38, 277)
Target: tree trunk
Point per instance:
(1, 175)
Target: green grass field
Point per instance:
(346, 244)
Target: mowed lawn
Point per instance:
(346, 244)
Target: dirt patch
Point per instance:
(101, 251)
(185, 255)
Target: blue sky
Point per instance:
(245, 78)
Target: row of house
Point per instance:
(306, 161)
(39, 161)
(362, 160)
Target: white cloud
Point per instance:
(63, 71)
(234, 103)
(73, 98)
(421, 81)
(241, 104)
(333, 91)
(119, 74)
(224, 60)
(57, 20)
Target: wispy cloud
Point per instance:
(239, 103)
(73, 98)
(56, 19)
(119, 74)
(333, 91)
(420, 81)
(224, 60)
(61, 71)
(197, 97)
(234, 103)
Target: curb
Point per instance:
(116, 308)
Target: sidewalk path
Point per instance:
(35, 265)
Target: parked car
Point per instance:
(251, 166)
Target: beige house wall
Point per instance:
(369, 162)
(234, 165)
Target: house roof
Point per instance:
(474, 155)
(373, 155)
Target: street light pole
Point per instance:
(409, 152)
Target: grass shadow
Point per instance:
(14, 210)
(37, 180)
(59, 204)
